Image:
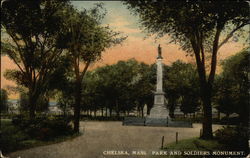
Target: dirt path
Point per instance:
(99, 137)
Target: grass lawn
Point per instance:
(13, 139)
(193, 144)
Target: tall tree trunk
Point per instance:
(206, 87)
(110, 112)
(205, 83)
(64, 112)
(138, 112)
(32, 107)
(142, 112)
(117, 113)
(32, 103)
(117, 110)
(106, 111)
(207, 112)
(78, 91)
(171, 111)
(77, 105)
(218, 115)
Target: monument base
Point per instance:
(159, 111)
(157, 122)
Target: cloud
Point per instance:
(121, 23)
(118, 21)
(129, 30)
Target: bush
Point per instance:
(234, 138)
(13, 137)
(10, 137)
(230, 121)
(43, 127)
(101, 118)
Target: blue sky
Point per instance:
(118, 16)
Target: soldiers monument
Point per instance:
(159, 109)
(159, 114)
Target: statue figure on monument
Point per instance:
(159, 52)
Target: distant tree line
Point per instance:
(128, 86)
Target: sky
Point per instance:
(119, 18)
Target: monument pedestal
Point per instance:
(159, 109)
(159, 115)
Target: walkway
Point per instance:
(107, 136)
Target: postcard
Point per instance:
(124, 79)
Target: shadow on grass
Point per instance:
(13, 139)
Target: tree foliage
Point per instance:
(42, 104)
(4, 101)
(232, 94)
(122, 87)
(181, 87)
(33, 28)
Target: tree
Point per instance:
(118, 81)
(122, 87)
(85, 39)
(225, 98)
(232, 94)
(126, 77)
(92, 93)
(23, 102)
(108, 86)
(33, 28)
(4, 101)
(42, 103)
(197, 28)
(144, 87)
(181, 87)
(65, 101)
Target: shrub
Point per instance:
(234, 138)
(10, 137)
(101, 118)
(43, 127)
(230, 121)
(45, 134)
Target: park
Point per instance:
(104, 79)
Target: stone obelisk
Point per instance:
(159, 115)
(159, 110)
